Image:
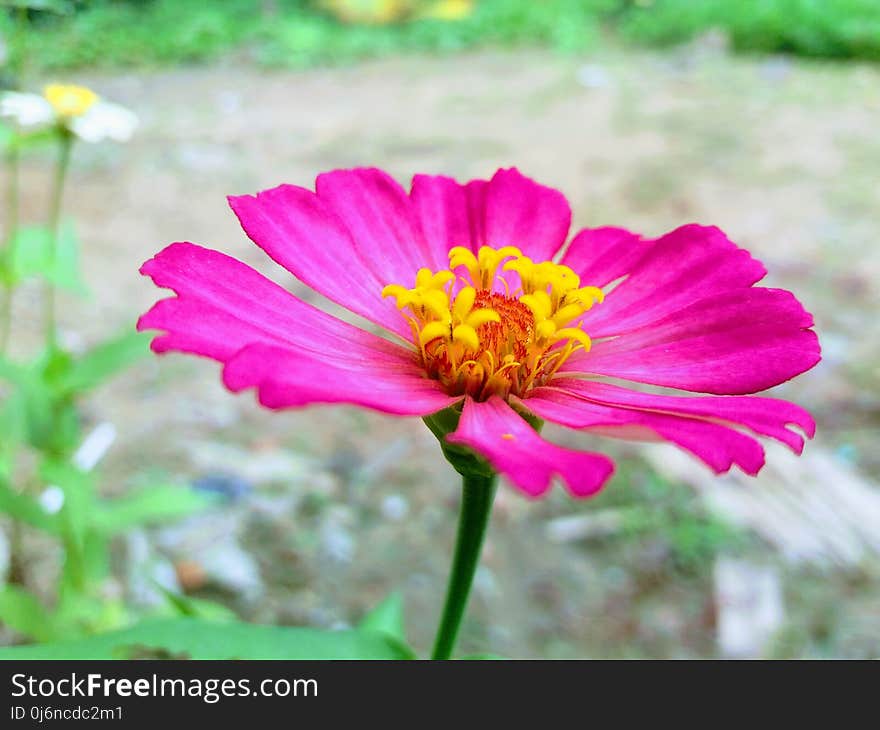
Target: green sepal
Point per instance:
(464, 460)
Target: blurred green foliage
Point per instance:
(51, 490)
(292, 33)
(40, 425)
(41, 440)
(658, 515)
(191, 638)
(825, 28)
(286, 33)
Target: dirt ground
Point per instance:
(783, 155)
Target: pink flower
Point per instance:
(462, 281)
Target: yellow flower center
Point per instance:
(481, 342)
(68, 100)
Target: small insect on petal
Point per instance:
(432, 331)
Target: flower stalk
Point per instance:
(479, 481)
(65, 144)
(478, 494)
(12, 198)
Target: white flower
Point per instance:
(27, 110)
(105, 121)
(74, 108)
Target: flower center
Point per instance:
(495, 333)
(68, 100)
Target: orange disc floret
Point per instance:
(512, 332)
(479, 342)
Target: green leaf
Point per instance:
(24, 613)
(33, 410)
(197, 639)
(31, 255)
(95, 557)
(25, 141)
(196, 607)
(62, 7)
(145, 506)
(13, 421)
(26, 509)
(386, 618)
(82, 613)
(104, 361)
(7, 136)
(13, 372)
(29, 252)
(79, 502)
(66, 273)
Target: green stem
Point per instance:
(478, 493)
(18, 52)
(16, 67)
(16, 554)
(12, 195)
(66, 143)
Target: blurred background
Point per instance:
(760, 116)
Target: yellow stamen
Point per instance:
(466, 335)
(480, 341)
(464, 302)
(483, 266)
(566, 313)
(432, 331)
(586, 296)
(545, 329)
(400, 293)
(572, 333)
(69, 100)
(461, 256)
(425, 279)
(539, 303)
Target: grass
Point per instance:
(670, 517)
(820, 28)
(291, 33)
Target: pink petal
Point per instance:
(292, 379)
(732, 343)
(442, 208)
(766, 416)
(718, 446)
(666, 275)
(520, 212)
(511, 446)
(380, 218)
(303, 234)
(475, 192)
(603, 255)
(224, 307)
(508, 210)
